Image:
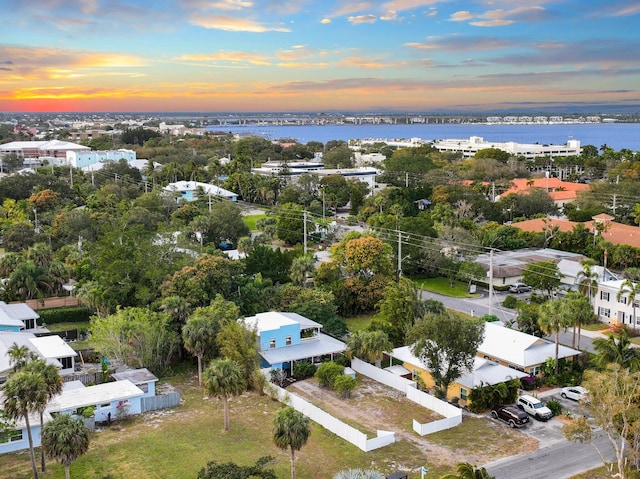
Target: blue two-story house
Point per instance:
(285, 338)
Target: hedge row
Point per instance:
(72, 314)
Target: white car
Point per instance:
(577, 393)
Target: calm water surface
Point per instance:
(615, 135)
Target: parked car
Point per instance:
(513, 416)
(520, 288)
(577, 393)
(534, 407)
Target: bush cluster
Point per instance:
(71, 314)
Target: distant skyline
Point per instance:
(300, 55)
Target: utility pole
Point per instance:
(614, 204)
(490, 280)
(304, 216)
(209, 202)
(399, 255)
(406, 180)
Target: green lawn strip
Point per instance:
(251, 220)
(358, 323)
(442, 286)
(66, 326)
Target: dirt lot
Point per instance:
(374, 406)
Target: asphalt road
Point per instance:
(558, 461)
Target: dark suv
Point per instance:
(513, 416)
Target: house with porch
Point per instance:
(520, 351)
(285, 338)
(483, 373)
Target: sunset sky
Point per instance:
(300, 55)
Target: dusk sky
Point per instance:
(299, 55)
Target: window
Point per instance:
(287, 341)
(623, 300)
(534, 370)
(67, 363)
(272, 344)
(463, 394)
(604, 295)
(11, 436)
(636, 303)
(604, 312)
(29, 323)
(105, 405)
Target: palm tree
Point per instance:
(291, 430)
(199, 336)
(25, 393)
(587, 280)
(53, 387)
(632, 290)
(19, 356)
(300, 269)
(224, 378)
(464, 470)
(65, 438)
(29, 281)
(577, 309)
(552, 321)
(620, 352)
(358, 474)
(369, 345)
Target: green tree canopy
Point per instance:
(291, 430)
(65, 438)
(543, 276)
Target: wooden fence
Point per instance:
(50, 303)
(162, 401)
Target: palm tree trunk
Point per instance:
(43, 464)
(31, 452)
(579, 331)
(557, 347)
(293, 464)
(67, 474)
(573, 338)
(225, 400)
(200, 370)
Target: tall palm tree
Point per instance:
(224, 378)
(53, 387)
(577, 309)
(552, 320)
(301, 267)
(199, 336)
(25, 393)
(291, 430)
(632, 290)
(29, 281)
(587, 280)
(620, 352)
(65, 438)
(464, 470)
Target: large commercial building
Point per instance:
(86, 159)
(473, 145)
(35, 153)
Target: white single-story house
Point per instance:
(142, 378)
(17, 317)
(189, 190)
(51, 348)
(520, 351)
(111, 400)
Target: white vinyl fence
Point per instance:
(452, 415)
(326, 420)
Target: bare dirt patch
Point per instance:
(374, 406)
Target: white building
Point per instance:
(36, 153)
(189, 190)
(614, 310)
(474, 144)
(85, 159)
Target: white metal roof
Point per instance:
(18, 311)
(309, 348)
(7, 339)
(272, 320)
(518, 348)
(93, 395)
(53, 347)
(136, 376)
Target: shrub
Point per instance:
(555, 406)
(490, 318)
(328, 372)
(72, 314)
(344, 384)
(510, 302)
(303, 370)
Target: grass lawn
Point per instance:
(78, 345)
(358, 323)
(441, 286)
(251, 220)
